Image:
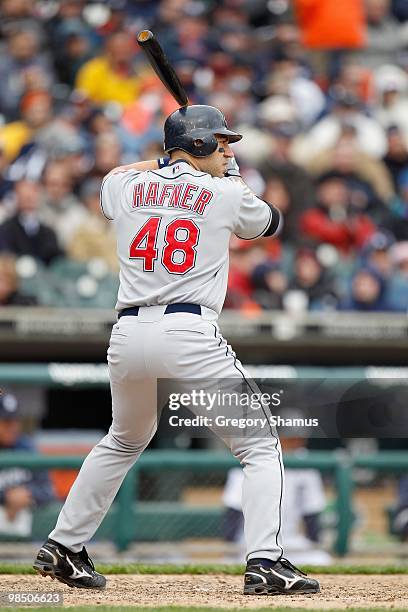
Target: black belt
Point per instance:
(170, 308)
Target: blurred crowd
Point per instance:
(319, 88)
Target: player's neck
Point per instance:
(181, 155)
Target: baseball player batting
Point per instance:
(173, 219)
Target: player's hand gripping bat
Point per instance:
(161, 66)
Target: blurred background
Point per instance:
(319, 88)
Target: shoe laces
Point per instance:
(286, 563)
(85, 558)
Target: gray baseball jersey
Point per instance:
(173, 228)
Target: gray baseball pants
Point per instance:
(180, 345)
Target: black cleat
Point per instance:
(74, 569)
(282, 578)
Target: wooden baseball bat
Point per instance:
(161, 66)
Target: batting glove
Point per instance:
(232, 168)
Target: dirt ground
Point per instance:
(222, 591)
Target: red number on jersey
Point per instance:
(144, 244)
(181, 237)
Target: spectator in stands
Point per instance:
(45, 137)
(108, 154)
(23, 69)
(71, 38)
(17, 15)
(278, 192)
(313, 281)
(396, 158)
(190, 38)
(9, 291)
(87, 120)
(398, 221)
(235, 40)
(385, 36)
(71, 154)
(376, 253)
(68, 12)
(279, 120)
(327, 25)
(398, 289)
(59, 207)
(111, 77)
(347, 109)
(288, 79)
(368, 292)
(36, 113)
(21, 490)
(59, 137)
(125, 15)
(276, 116)
(168, 14)
(142, 124)
(399, 258)
(354, 79)
(23, 233)
(388, 260)
(333, 220)
(367, 177)
(244, 257)
(270, 284)
(391, 108)
(94, 237)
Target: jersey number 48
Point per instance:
(178, 254)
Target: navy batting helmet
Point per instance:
(193, 129)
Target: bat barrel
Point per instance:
(161, 66)
(144, 35)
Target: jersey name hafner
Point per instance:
(186, 196)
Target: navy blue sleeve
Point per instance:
(276, 223)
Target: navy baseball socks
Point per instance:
(266, 577)
(73, 569)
